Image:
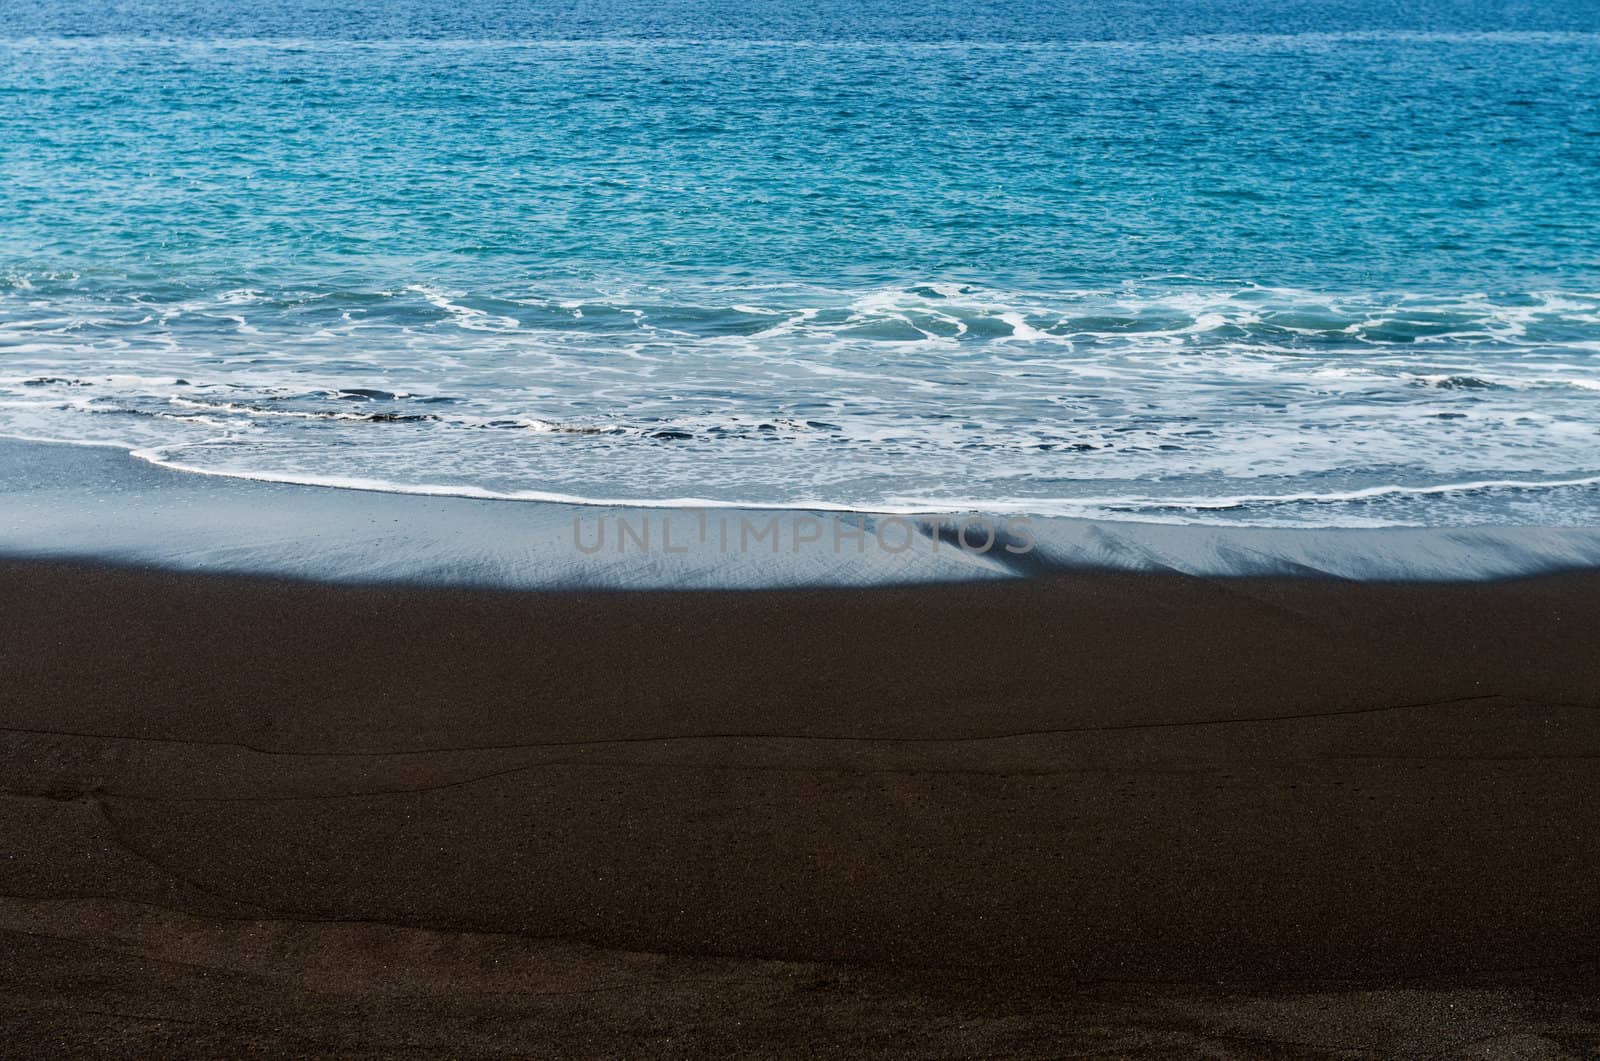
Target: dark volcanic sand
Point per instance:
(1097, 812)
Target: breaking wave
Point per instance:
(1170, 398)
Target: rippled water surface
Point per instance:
(1244, 265)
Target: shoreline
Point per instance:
(100, 504)
(1125, 810)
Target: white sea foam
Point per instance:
(1212, 402)
(1133, 507)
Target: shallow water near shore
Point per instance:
(74, 502)
(1287, 271)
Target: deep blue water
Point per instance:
(1323, 263)
(781, 20)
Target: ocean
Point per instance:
(1237, 263)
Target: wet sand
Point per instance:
(1108, 812)
(93, 502)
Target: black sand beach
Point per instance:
(1088, 812)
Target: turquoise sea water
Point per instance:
(1297, 263)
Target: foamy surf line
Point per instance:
(1163, 398)
(1139, 509)
(98, 502)
(1133, 509)
(476, 493)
